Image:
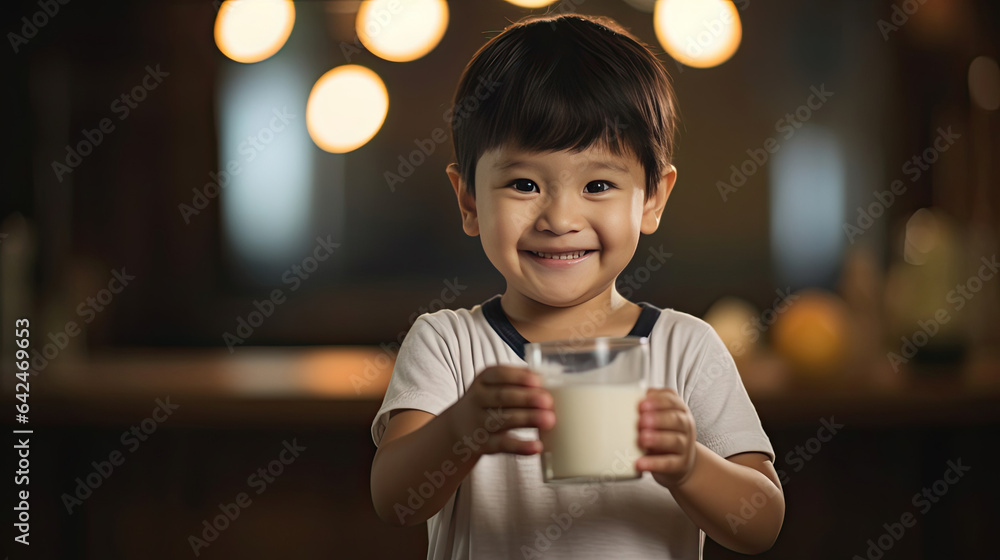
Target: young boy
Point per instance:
(563, 150)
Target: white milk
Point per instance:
(595, 433)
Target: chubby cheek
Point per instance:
(619, 232)
(492, 244)
(508, 222)
(498, 238)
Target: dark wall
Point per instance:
(119, 207)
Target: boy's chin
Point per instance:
(556, 297)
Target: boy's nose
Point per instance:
(560, 214)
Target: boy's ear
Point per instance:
(466, 202)
(653, 209)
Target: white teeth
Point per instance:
(560, 256)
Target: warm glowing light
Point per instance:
(346, 108)
(253, 30)
(984, 83)
(531, 3)
(923, 235)
(813, 334)
(402, 30)
(698, 33)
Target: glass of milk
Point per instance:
(596, 386)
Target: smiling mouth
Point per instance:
(561, 256)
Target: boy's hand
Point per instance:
(499, 399)
(667, 435)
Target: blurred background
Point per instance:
(220, 219)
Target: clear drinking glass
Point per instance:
(596, 386)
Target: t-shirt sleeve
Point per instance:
(725, 420)
(424, 376)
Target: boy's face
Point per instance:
(560, 201)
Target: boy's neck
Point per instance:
(608, 314)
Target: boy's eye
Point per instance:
(593, 187)
(528, 184)
(601, 186)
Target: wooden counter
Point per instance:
(324, 386)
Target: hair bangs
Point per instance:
(560, 83)
(567, 106)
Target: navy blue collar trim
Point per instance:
(497, 319)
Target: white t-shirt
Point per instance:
(503, 509)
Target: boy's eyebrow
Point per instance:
(504, 165)
(605, 164)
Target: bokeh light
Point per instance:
(813, 334)
(698, 33)
(730, 317)
(984, 83)
(401, 30)
(922, 236)
(346, 108)
(253, 30)
(531, 3)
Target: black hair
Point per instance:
(565, 82)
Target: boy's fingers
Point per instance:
(514, 396)
(508, 418)
(660, 463)
(657, 442)
(510, 444)
(665, 419)
(655, 399)
(510, 375)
